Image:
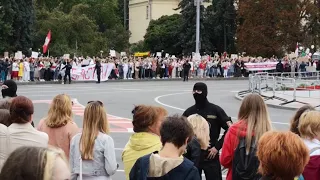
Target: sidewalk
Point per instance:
(302, 98)
(134, 80)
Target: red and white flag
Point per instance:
(296, 52)
(46, 43)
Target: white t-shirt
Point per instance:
(15, 67)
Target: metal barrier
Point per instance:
(275, 82)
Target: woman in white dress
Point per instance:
(125, 69)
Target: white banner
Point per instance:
(265, 66)
(87, 73)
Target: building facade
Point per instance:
(141, 12)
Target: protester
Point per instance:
(282, 155)
(196, 149)
(217, 119)
(309, 128)
(20, 132)
(92, 153)
(36, 163)
(58, 124)
(296, 118)
(253, 122)
(146, 125)
(167, 164)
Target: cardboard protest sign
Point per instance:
(113, 53)
(34, 54)
(18, 55)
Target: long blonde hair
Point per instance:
(51, 156)
(254, 112)
(201, 130)
(60, 112)
(94, 121)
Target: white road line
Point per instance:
(180, 109)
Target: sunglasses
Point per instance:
(99, 102)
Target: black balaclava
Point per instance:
(9, 89)
(201, 99)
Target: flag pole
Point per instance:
(48, 52)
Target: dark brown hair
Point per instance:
(282, 155)
(146, 116)
(21, 109)
(176, 129)
(295, 120)
(18, 165)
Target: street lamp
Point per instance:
(312, 46)
(198, 27)
(101, 53)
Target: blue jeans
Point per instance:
(32, 75)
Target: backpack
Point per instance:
(245, 166)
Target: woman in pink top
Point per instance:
(59, 124)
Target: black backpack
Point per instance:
(245, 166)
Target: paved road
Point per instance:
(119, 99)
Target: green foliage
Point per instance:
(187, 35)
(16, 20)
(78, 26)
(162, 34)
(220, 23)
(138, 47)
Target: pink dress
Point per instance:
(60, 137)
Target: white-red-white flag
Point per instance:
(46, 43)
(296, 52)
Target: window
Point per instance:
(147, 12)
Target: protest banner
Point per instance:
(265, 66)
(87, 73)
(34, 54)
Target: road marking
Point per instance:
(121, 125)
(180, 109)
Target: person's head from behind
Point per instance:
(282, 155)
(60, 111)
(94, 121)
(309, 125)
(254, 112)
(5, 117)
(9, 89)
(148, 118)
(21, 110)
(176, 131)
(47, 164)
(296, 118)
(201, 130)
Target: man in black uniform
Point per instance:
(68, 68)
(217, 119)
(186, 69)
(98, 68)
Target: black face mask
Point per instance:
(201, 99)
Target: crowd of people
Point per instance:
(178, 147)
(54, 69)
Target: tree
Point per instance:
(163, 34)
(257, 34)
(220, 26)
(187, 35)
(17, 17)
(69, 29)
(5, 25)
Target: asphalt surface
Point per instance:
(120, 98)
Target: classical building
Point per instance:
(142, 11)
